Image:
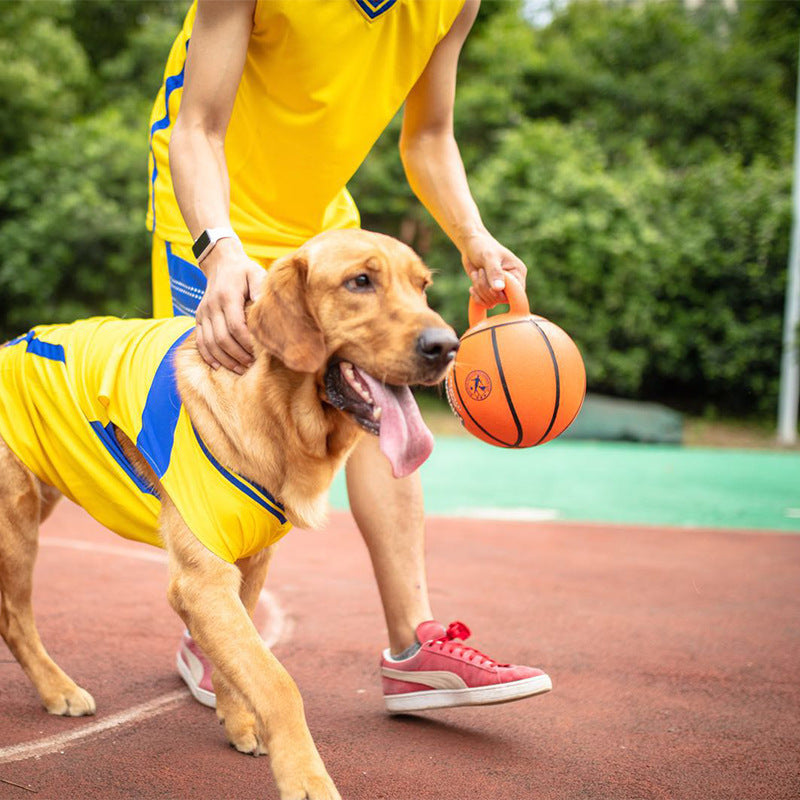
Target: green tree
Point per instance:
(44, 73)
(685, 83)
(76, 83)
(73, 233)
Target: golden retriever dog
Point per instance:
(341, 329)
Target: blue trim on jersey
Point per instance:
(252, 490)
(160, 413)
(374, 8)
(172, 83)
(109, 441)
(186, 282)
(53, 352)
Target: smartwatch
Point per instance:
(205, 242)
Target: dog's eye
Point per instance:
(361, 283)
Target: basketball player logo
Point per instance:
(478, 385)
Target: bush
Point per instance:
(74, 238)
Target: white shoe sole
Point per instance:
(477, 696)
(201, 695)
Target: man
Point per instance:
(267, 109)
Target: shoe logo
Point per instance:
(478, 385)
(436, 679)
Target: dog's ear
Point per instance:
(281, 320)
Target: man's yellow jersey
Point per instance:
(322, 80)
(65, 389)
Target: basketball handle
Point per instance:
(517, 302)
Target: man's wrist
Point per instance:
(208, 239)
(225, 251)
(467, 232)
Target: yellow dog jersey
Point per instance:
(64, 389)
(321, 81)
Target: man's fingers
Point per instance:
(225, 348)
(201, 337)
(495, 277)
(480, 288)
(236, 321)
(482, 291)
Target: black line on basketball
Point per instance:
(558, 381)
(467, 335)
(510, 402)
(456, 383)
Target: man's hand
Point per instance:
(487, 263)
(233, 280)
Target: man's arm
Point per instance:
(214, 66)
(436, 173)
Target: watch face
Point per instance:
(203, 241)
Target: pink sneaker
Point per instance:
(445, 672)
(195, 669)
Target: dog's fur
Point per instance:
(274, 425)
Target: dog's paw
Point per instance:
(303, 778)
(248, 743)
(71, 701)
(242, 733)
(312, 787)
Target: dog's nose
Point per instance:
(437, 345)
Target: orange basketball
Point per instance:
(518, 380)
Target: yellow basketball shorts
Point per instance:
(178, 283)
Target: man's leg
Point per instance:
(427, 665)
(391, 517)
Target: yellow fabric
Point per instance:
(63, 388)
(321, 82)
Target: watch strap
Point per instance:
(205, 242)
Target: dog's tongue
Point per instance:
(404, 438)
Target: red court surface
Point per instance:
(675, 656)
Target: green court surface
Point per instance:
(611, 482)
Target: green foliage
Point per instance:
(104, 27)
(74, 239)
(43, 73)
(77, 81)
(655, 72)
(730, 225)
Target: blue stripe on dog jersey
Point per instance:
(160, 413)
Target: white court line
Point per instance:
(272, 631)
(54, 744)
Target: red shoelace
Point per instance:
(448, 644)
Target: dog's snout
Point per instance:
(437, 345)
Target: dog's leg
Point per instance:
(24, 502)
(232, 710)
(205, 592)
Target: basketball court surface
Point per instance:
(657, 586)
